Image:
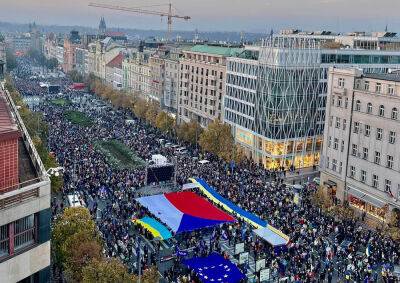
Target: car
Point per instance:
(74, 200)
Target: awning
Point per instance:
(330, 183)
(366, 197)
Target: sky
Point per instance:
(215, 15)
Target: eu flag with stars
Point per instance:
(214, 268)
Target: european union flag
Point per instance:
(214, 268)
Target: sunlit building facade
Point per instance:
(276, 94)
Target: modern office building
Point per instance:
(25, 212)
(276, 93)
(202, 83)
(361, 159)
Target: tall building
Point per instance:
(361, 158)
(24, 202)
(202, 83)
(276, 93)
(100, 54)
(71, 43)
(102, 26)
(137, 72)
(171, 81)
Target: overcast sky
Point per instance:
(246, 15)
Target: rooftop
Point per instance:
(8, 126)
(393, 77)
(117, 61)
(217, 50)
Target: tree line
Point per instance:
(216, 138)
(38, 131)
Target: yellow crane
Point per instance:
(140, 10)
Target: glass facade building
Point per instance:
(276, 95)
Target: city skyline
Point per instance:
(225, 15)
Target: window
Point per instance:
(379, 133)
(381, 110)
(342, 146)
(346, 102)
(336, 144)
(333, 101)
(378, 87)
(327, 162)
(4, 240)
(330, 121)
(366, 85)
(344, 124)
(358, 105)
(365, 153)
(388, 186)
(337, 122)
(339, 101)
(354, 149)
(389, 162)
(24, 232)
(334, 164)
(340, 166)
(369, 108)
(17, 235)
(375, 181)
(392, 137)
(329, 141)
(363, 176)
(352, 171)
(390, 89)
(367, 131)
(394, 114)
(356, 127)
(341, 82)
(377, 159)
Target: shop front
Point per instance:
(367, 203)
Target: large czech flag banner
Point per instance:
(184, 211)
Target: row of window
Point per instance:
(377, 156)
(340, 102)
(17, 235)
(378, 134)
(381, 111)
(374, 179)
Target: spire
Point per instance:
(102, 26)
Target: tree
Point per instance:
(189, 132)
(217, 139)
(73, 220)
(165, 122)
(11, 60)
(152, 112)
(75, 76)
(140, 108)
(80, 249)
(52, 63)
(151, 275)
(321, 199)
(106, 271)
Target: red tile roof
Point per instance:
(8, 127)
(116, 62)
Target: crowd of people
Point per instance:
(316, 251)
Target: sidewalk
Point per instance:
(301, 175)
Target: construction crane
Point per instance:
(140, 10)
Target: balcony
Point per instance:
(339, 90)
